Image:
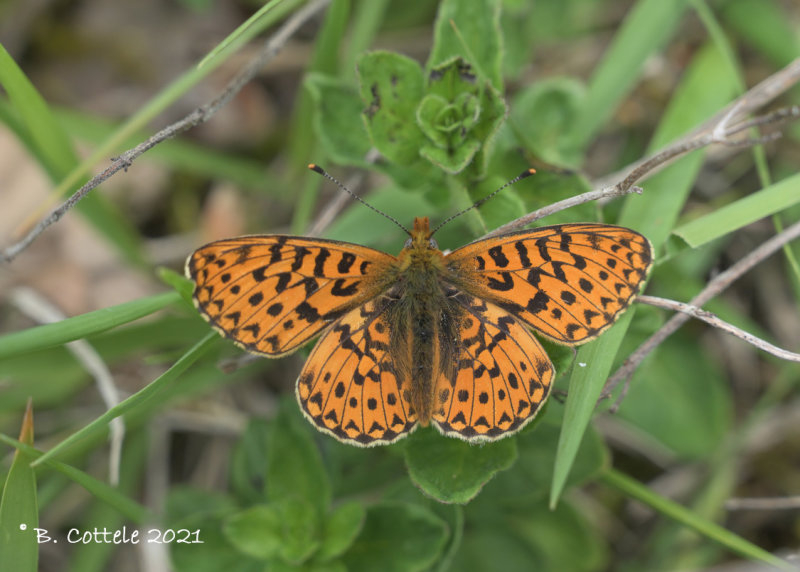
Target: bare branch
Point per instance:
(37, 307)
(755, 98)
(198, 116)
(604, 193)
(773, 503)
(720, 129)
(712, 319)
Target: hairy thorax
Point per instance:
(424, 345)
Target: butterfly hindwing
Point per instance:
(570, 282)
(502, 376)
(270, 294)
(349, 386)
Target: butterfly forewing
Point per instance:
(270, 294)
(502, 376)
(570, 282)
(349, 386)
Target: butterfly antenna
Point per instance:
(317, 169)
(476, 204)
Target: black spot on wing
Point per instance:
(498, 256)
(345, 262)
(505, 285)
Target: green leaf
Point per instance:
(363, 226)
(248, 472)
(470, 30)
(206, 511)
(340, 529)
(300, 530)
(247, 30)
(543, 114)
(564, 539)
(493, 114)
(379, 546)
(19, 512)
(529, 536)
(324, 59)
(454, 471)
(294, 465)
(287, 529)
(99, 489)
(429, 116)
(257, 531)
(698, 392)
(458, 115)
(392, 87)
(337, 120)
(532, 474)
(453, 160)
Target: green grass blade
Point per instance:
(103, 491)
(763, 24)
(169, 95)
(19, 549)
(81, 326)
(47, 140)
(249, 29)
(646, 29)
(50, 140)
(707, 85)
(673, 510)
(735, 215)
(138, 399)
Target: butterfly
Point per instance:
(424, 337)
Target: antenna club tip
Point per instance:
(527, 173)
(316, 168)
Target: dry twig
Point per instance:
(34, 305)
(712, 319)
(197, 117)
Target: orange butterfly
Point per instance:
(425, 336)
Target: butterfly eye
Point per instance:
(433, 244)
(407, 244)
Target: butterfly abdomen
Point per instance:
(423, 346)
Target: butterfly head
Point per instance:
(420, 237)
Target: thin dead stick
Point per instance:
(714, 287)
(755, 98)
(604, 193)
(34, 305)
(773, 503)
(195, 118)
(713, 320)
(722, 134)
